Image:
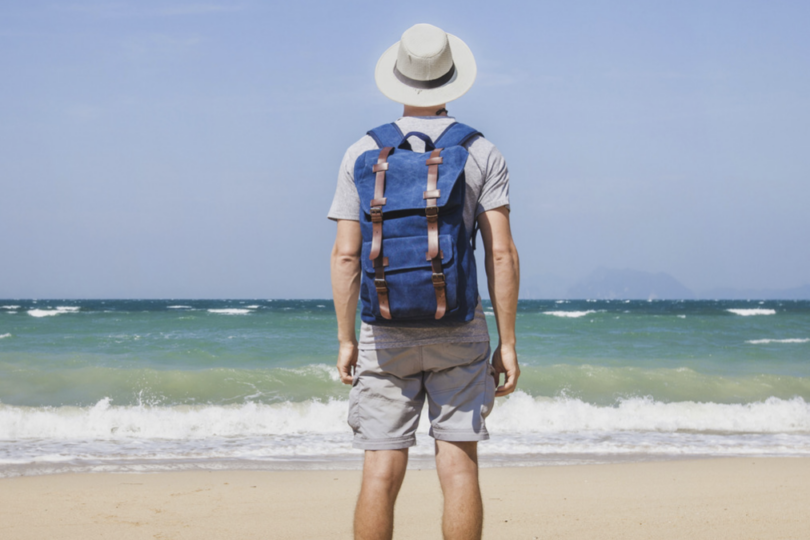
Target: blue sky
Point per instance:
(190, 149)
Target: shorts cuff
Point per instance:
(459, 435)
(397, 443)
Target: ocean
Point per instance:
(152, 385)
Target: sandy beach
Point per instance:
(713, 499)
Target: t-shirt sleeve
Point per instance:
(346, 204)
(495, 191)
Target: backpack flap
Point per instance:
(403, 168)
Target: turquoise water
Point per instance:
(117, 383)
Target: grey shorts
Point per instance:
(390, 386)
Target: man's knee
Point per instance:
(385, 466)
(457, 459)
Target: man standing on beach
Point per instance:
(393, 367)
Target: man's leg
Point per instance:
(457, 465)
(383, 472)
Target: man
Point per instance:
(395, 366)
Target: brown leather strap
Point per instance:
(378, 202)
(380, 262)
(434, 254)
(382, 290)
(439, 286)
(431, 195)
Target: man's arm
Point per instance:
(503, 278)
(345, 290)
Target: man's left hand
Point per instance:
(347, 360)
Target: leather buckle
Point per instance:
(376, 214)
(380, 285)
(432, 213)
(438, 280)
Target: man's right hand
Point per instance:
(505, 361)
(347, 360)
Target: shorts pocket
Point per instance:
(409, 277)
(489, 392)
(354, 404)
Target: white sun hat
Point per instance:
(426, 67)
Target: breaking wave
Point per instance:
(520, 413)
(752, 311)
(52, 312)
(524, 429)
(766, 341)
(570, 314)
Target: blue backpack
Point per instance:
(417, 261)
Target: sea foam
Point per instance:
(230, 311)
(766, 341)
(524, 430)
(570, 314)
(52, 312)
(518, 414)
(523, 413)
(3, 336)
(105, 421)
(752, 311)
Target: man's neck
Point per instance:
(425, 111)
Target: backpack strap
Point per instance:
(457, 134)
(476, 227)
(434, 254)
(376, 253)
(386, 135)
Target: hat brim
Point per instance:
(456, 87)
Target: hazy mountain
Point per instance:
(610, 284)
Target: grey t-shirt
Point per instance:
(487, 188)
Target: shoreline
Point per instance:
(417, 462)
(704, 498)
